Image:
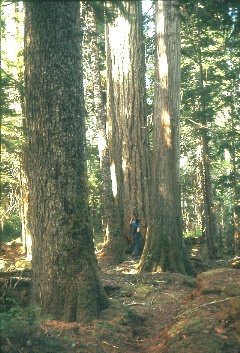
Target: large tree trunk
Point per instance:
(114, 246)
(165, 249)
(65, 271)
(126, 124)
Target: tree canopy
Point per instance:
(209, 117)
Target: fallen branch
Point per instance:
(111, 345)
(19, 279)
(153, 299)
(133, 304)
(25, 273)
(15, 282)
(237, 336)
(207, 304)
(230, 260)
(12, 346)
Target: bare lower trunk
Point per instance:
(66, 283)
(114, 245)
(165, 249)
(126, 124)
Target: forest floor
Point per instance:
(148, 312)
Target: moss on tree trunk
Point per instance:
(65, 275)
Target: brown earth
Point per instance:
(148, 313)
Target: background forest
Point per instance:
(210, 159)
(114, 110)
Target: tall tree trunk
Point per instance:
(114, 247)
(165, 248)
(236, 210)
(209, 219)
(66, 283)
(126, 121)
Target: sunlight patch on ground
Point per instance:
(128, 267)
(2, 264)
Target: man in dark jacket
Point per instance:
(136, 232)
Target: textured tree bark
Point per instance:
(209, 219)
(208, 216)
(65, 271)
(235, 184)
(114, 246)
(165, 248)
(126, 115)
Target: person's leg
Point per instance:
(136, 245)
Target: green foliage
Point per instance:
(95, 190)
(11, 128)
(210, 34)
(149, 39)
(196, 232)
(11, 228)
(11, 100)
(210, 71)
(104, 11)
(19, 325)
(18, 321)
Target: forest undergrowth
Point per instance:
(148, 312)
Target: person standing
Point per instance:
(136, 232)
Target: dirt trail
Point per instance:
(179, 314)
(149, 299)
(148, 313)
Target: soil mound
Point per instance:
(149, 312)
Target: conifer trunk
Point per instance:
(65, 279)
(114, 246)
(126, 115)
(209, 221)
(165, 249)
